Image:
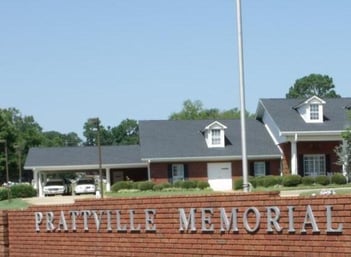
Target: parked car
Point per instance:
(56, 187)
(85, 186)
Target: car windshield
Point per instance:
(85, 181)
(54, 183)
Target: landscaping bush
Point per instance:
(3, 194)
(260, 181)
(202, 184)
(238, 184)
(160, 187)
(121, 185)
(178, 184)
(308, 180)
(145, 185)
(338, 179)
(291, 180)
(269, 181)
(322, 180)
(22, 191)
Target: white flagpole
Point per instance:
(242, 97)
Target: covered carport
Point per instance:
(123, 159)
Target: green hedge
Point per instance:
(18, 191)
(291, 180)
(322, 180)
(338, 179)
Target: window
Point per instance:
(216, 136)
(314, 164)
(314, 112)
(259, 169)
(177, 172)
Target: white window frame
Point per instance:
(216, 137)
(259, 169)
(177, 172)
(314, 164)
(314, 112)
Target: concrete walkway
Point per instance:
(55, 200)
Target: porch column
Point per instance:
(148, 170)
(108, 180)
(293, 158)
(40, 186)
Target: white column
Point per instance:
(35, 179)
(108, 180)
(148, 170)
(40, 186)
(293, 158)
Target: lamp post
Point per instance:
(6, 168)
(96, 122)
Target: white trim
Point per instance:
(213, 158)
(85, 167)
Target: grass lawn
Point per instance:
(13, 204)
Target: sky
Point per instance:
(64, 61)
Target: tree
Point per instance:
(195, 111)
(343, 152)
(20, 133)
(54, 138)
(126, 133)
(313, 85)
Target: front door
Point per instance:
(220, 176)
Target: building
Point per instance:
(288, 136)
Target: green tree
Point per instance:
(195, 111)
(54, 138)
(126, 133)
(313, 85)
(20, 133)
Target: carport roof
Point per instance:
(82, 156)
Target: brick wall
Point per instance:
(160, 235)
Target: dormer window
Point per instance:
(314, 112)
(215, 134)
(311, 110)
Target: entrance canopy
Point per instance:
(79, 159)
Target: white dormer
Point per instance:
(214, 134)
(311, 110)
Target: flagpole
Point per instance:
(242, 98)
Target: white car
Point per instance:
(85, 186)
(55, 187)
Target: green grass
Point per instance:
(13, 204)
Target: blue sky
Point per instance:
(66, 61)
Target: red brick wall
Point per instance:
(167, 240)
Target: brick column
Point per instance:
(4, 235)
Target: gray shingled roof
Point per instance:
(288, 119)
(76, 156)
(184, 138)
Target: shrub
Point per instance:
(260, 181)
(291, 180)
(178, 183)
(159, 187)
(145, 185)
(322, 180)
(22, 191)
(202, 184)
(121, 185)
(269, 181)
(308, 180)
(3, 194)
(238, 184)
(338, 179)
